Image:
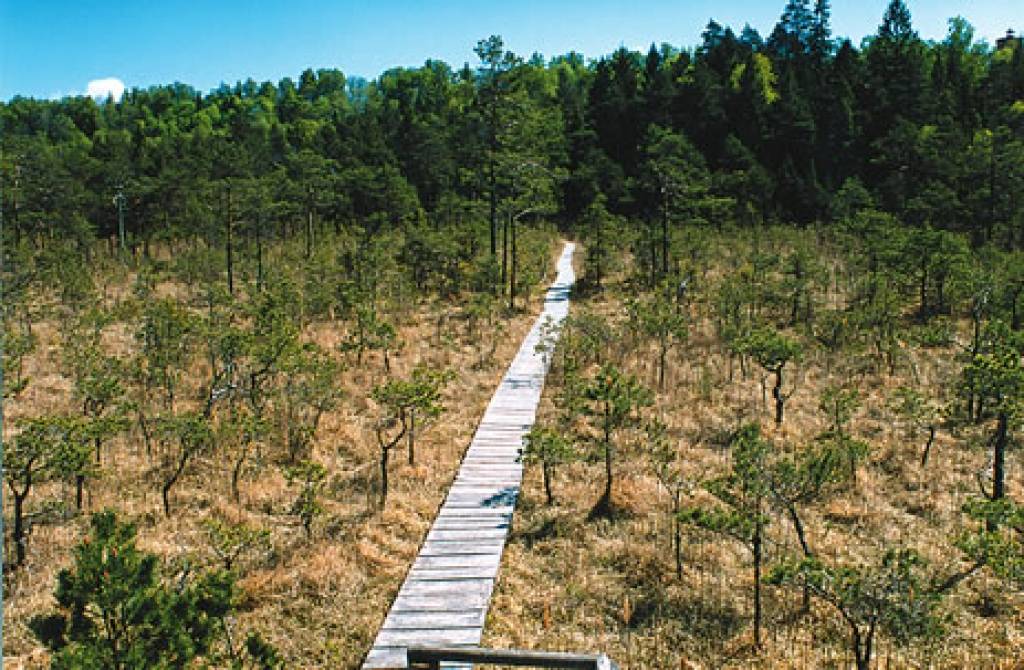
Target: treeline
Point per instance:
(741, 128)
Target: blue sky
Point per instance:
(50, 48)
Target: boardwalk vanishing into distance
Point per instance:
(447, 591)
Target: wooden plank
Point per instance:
(497, 472)
(473, 505)
(386, 658)
(498, 483)
(491, 498)
(495, 462)
(498, 512)
(499, 462)
(446, 549)
(452, 559)
(482, 544)
(457, 560)
(441, 636)
(482, 512)
(508, 452)
(482, 488)
(466, 535)
(421, 620)
(472, 524)
(441, 602)
(454, 572)
(449, 522)
(503, 479)
(481, 499)
(469, 523)
(506, 479)
(506, 460)
(476, 527)
(444, 598)
(478, 502)
(485, 496)
(504, 448)
(456, 547)
(481, 460)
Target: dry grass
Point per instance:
(571, 584)
(566, 583)
(320, 601)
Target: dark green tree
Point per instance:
(186, 435)
(495, 86)
(996, 377)
(743, 497)
(660, 318)
(45, 448)
(550, 448)
(773, 351)
(116, 610)
(892, 597)
(311, 478)
(918, 413)
(611, 401)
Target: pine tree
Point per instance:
(611, 400)
(116, 610)
(892, 596)
(821, 32)
(742, 512)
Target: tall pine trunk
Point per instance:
(757, 550)
(412, 437)
(18, 535)
(228, 247)
(780, 399)
(514, 267)
(384, 453)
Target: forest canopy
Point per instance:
(794, 126)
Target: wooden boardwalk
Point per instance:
(446, 593)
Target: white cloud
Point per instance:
(99, 89)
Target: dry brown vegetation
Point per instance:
(320, 600)
(567, 583)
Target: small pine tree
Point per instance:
(611, 401)
(660, 319)
(743, 512)
(115, 610)
(549, 448)
(311, 477)
(892, 597)
(772, 350)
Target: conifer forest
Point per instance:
(247, 335)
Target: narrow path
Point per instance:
(445, 596)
